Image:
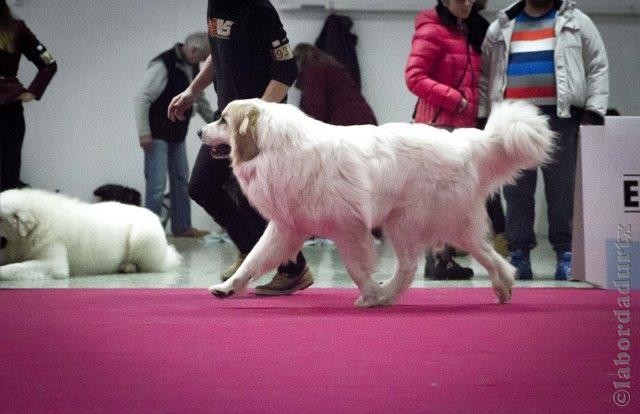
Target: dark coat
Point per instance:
(337, 40)
(330, 95)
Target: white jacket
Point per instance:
(581, 64)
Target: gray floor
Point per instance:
(205, 259)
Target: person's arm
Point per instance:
(596, 67)
(29, 46)
(268, 32)
(275, 91)
(204, 109)
(483, 83)
(183, 101)
(153, 83)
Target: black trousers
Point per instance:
(496, 213)
(493, 206)
(559, 176)
(215, 189)
(12, 129)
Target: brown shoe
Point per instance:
(193, 233)
(229, 271)
(501, 244)
(283, 284)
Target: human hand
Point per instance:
(26, 97)
(146, 141)
(179, 105)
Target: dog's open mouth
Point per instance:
(220, 151)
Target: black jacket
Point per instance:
(337, 40)
(161, 126)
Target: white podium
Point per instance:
(606, 222)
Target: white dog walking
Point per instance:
(424, 187)
(51, 235)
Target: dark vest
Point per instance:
(161, 125)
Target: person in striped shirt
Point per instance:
(549, 53)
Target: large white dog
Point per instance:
(424, 186)
(51, 235)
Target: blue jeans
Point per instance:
(168, 157)
(559, 176)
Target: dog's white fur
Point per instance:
(52, 235)
(422, 185)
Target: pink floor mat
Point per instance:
(438, 350)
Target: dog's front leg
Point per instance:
(30, 270)
(52, 262)
(275, 247)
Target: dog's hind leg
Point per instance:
(358, 253)
(128, 268)
(275, 247)
(500, 271)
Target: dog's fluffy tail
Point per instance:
(516, 138)
(172, 259)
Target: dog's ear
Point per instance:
(245, 146)
(24, 222)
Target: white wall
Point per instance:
(82, 133)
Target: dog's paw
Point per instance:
(221, 290)
(503, 293)
(128, 268)
(371, 301)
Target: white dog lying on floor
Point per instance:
(51, 235)
(422, 185)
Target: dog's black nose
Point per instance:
(199, 133)
(3, 242)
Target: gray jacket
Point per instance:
(581, 64)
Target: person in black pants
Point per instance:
(250, 57)
(16, 40)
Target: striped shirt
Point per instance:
(531, 70)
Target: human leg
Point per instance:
(498, 224)
(559, 178)
(519, 221)
(206, 187)
(155, 174)
(12, 131)
(178, 185)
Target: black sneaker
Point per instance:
(430, 267)
(443, 268)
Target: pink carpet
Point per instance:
(439, 350)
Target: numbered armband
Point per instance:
(281, 50)
(45, 56)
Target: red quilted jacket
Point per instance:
(441, 69)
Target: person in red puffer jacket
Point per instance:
(443, 68)
(443, 71)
